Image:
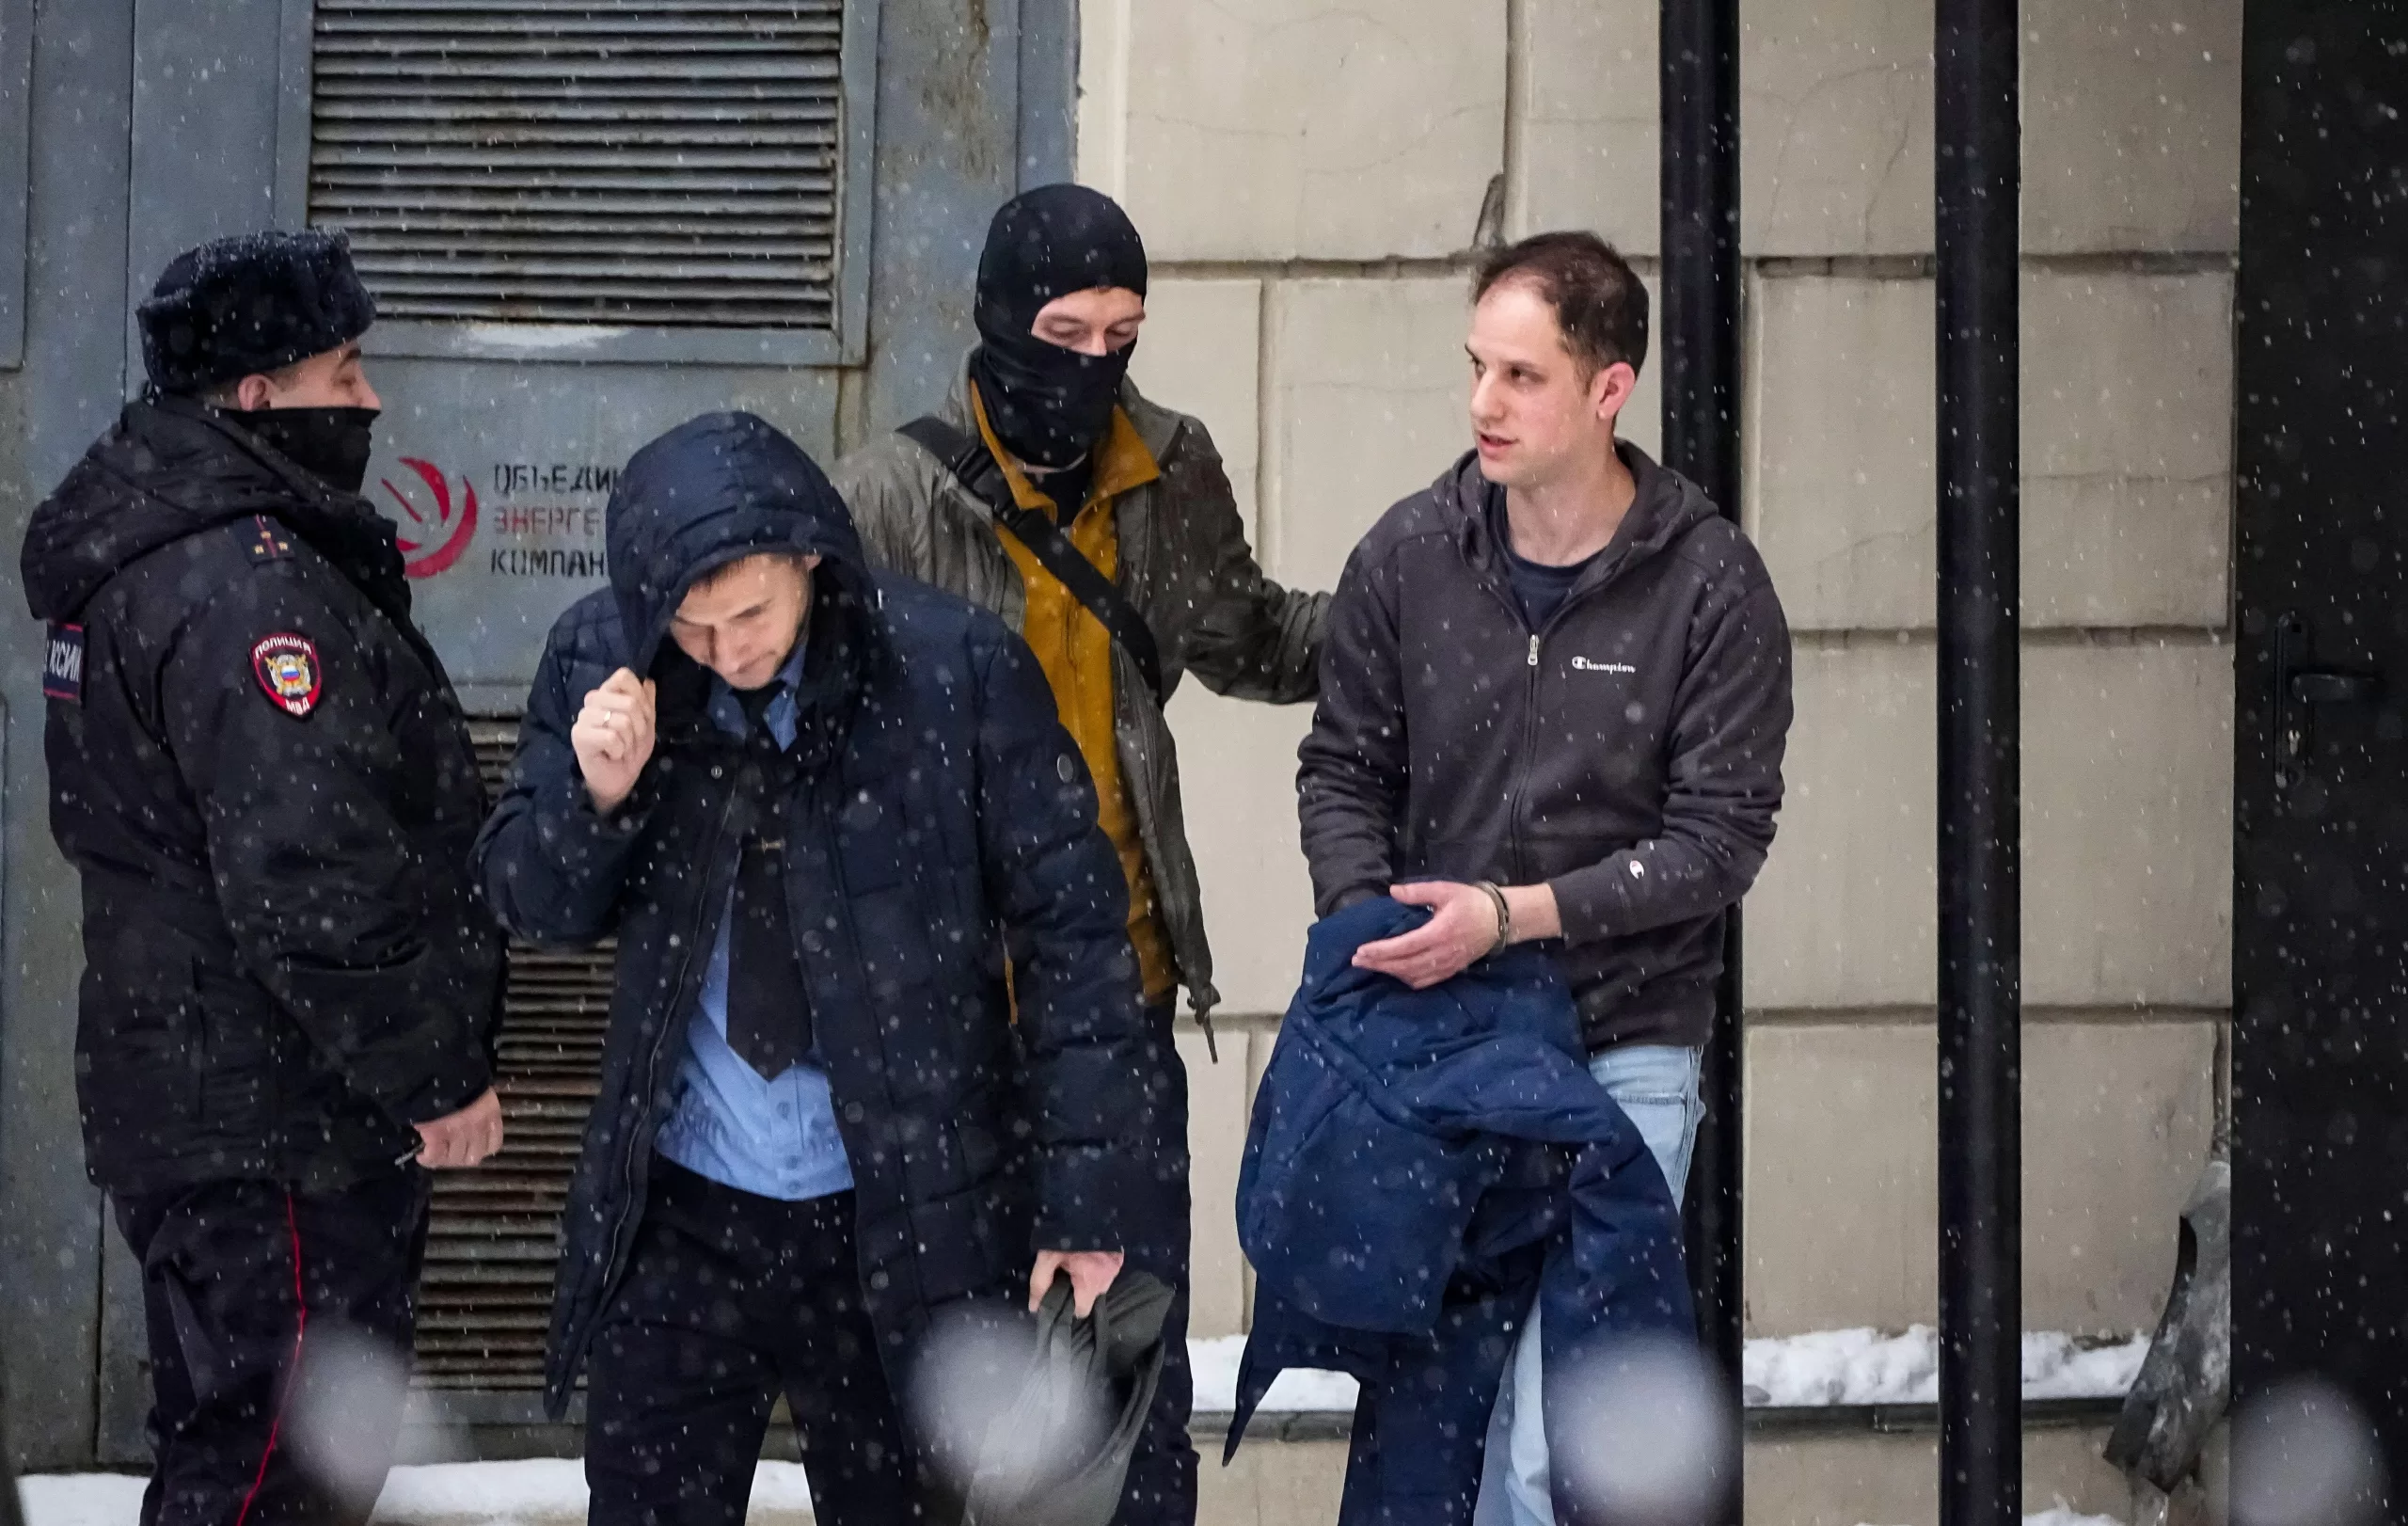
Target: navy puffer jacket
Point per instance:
(942, 825)
(1422, 1168)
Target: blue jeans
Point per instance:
(1656, 1085)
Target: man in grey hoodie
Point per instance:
(1554, 697)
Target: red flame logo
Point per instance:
(432, 545)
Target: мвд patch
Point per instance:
(287, 670)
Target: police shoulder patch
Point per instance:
(62, 667)
(270, 541)
(287, 668)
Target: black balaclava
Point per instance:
(332, 444)
(1050, 405)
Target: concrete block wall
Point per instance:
(1309, 180)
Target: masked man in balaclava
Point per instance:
(1101, 525)
(261, 772)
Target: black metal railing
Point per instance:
(1977, 183)
(1699, 49)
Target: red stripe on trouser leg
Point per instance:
(293, 1374)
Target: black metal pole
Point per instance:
(1699, 45)
(1976, 131)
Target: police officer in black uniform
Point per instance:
(262, 773)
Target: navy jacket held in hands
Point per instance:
(1421, 1167)
(941, 822)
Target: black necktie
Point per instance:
(769, 1012)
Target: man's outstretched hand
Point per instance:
(1091, 1273)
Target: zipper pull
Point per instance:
(1534, 650)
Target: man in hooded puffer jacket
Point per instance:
(264, 781)
(823, 812)
(1552, 709)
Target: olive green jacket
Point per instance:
(1184, 565)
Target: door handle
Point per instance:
(2334, 686)
(2299, 689)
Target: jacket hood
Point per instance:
(713, 490)
(170, 467)
(1668, 505)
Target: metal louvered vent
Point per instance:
(661, 163)
(484, 1304)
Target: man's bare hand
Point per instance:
(1462, 927)
(1091, 1273)
(461, 1139)
(613, 737)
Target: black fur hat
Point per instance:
(251, 303)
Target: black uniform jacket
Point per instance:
(259, 769)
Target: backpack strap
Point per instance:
(971, 464)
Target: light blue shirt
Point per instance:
(774, 1139)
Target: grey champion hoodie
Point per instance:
(1627, 752)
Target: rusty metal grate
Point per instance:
(663, 163)
(484, 1304)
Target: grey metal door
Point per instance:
(584, 221)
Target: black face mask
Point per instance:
(332, 444)
(1048, 404)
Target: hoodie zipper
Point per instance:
(1517, 798)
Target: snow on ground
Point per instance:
(81, 1498)
(544, 1491)
(535, 1487)
(2063, 1516)
(535, 1493)
(1215, 1365)
(1865, 1366)
(1826, 1368)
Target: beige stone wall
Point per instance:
(1308, 179)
